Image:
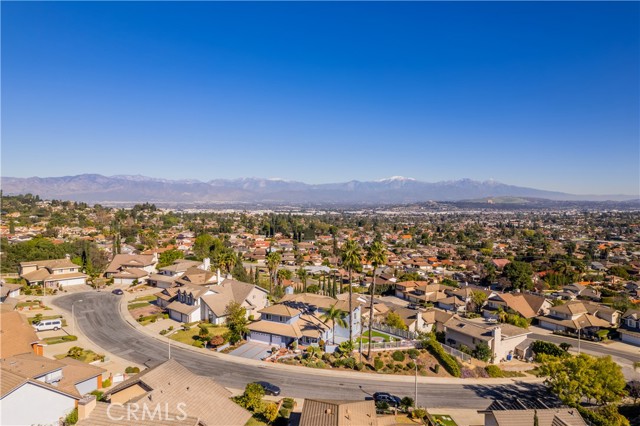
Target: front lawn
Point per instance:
(84, 355)
(365, 336)
(149, 298)
(137, 305)
(443, 420)
(60, 339)
(192, 335)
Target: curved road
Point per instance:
(99, 318)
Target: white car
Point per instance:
(50, 324)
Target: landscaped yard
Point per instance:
(443, 420)
(137, 305)
(149, 298)
(84, 355)
(60, 339)
(366, 335)
(190, 336)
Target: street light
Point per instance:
(415, 364)
(73, 316)
(578, 340)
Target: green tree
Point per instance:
(519, 274)
(227, 260)
(303, 276)
(251, 398)
(336, 316)
(377, 256)
(351, 256)
(236, 322)
(202, 246)
(394, 320)
(239, 272)
(478, 298)
(482, 352)
(168, 257)
(273, 260)
(204, 332)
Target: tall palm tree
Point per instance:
(303, 275)
(227, 260)
(377, 256)
(352, 260)
(336, 316)
(273, 260)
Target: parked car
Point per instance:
(414, 306)
(269, 389)
(118, 291)
(50, 324)
(392, 400)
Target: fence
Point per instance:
(398, 344)
(405, 334)
(456, 353)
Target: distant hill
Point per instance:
(94, 188)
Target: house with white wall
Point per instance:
(129, 268)
(54, 274)
(630, 327)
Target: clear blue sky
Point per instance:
(541, 94)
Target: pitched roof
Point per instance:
(16, 334)
(518, 303)
(326, 412)
(281, 309)
(51, 264)
(105, 414)
(129, 260)
(171, 383)
(548, 417)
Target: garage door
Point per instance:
(260, 337)
(177, 316)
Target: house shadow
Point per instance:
(519, 396)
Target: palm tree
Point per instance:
(273, 260)
(336, 316)
(351, 259)
(377, 256)
(227, 260)
(302, 275)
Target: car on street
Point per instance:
(392, 400)
(118, 291)
(269, 389)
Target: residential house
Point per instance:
(525, 414)
(17, 335)
(502, 339)
(630, 327)
(434, 319)
(56, 273)
(321, 304)
(167, 275)
(9, 291)
(186, 306)
(500, 263)
(508, 302)
(580, 290)
(324, 412)
(167, 391)
(573, 316)
(128, 269)
(281, 325)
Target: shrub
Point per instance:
(132, 370)
(419, 413)
(166, 316)
(391, 365)
(349, 363)
(360, 366)
(288, 403)
(251, 318)
(398, 356)
(413, 353)
(106, 383)
(198, 344)
(70, 338)
(378, 364)
(72, 417)
(494, 371)
(321, 364)
(170, 327)
(411, 365)
(448, 362)
(548, 348)
(163, 332)
(216, 341)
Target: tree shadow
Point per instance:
(518, 396)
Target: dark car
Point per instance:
(392, 400)
(118, 292)
(269, 389)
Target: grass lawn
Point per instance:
(47, 317)
(443, 420)
(59, 339)
(27, 304)
(137, 305)
(191, 335)
(255, 422)
(403, 419)
(149, 298)
(365, 336)
(87, 356)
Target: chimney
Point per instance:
(67, 256)
(206, 264)
(218, 275)
(86, 406)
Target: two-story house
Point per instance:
(574, 316)
(502, 339)
(186, 305)
(630, 327)
(281, 325)
(56, 273)
(167, 275)
(129, 268)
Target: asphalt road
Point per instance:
(99, 318)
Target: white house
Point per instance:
(630, 327)
(129, 268)
(9, 291)
(57, 273)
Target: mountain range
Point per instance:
(95, 188)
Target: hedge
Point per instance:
(448, 362)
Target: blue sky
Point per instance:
(541, 94)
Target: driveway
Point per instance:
(252, 350)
